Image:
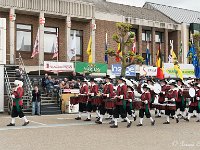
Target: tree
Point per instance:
(197, 44)
(125, 37)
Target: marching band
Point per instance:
(173, 98)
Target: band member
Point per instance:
(194, 103)
(107, 94)
(150, 82)
(164, 89)
(180, 103)
(17, 104)
(120, 108)
(83, 96)
(171, 98)
(145, 108)
(92, 94)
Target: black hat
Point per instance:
(179, 80)
(151, 80)
(164, 80)
(107, 77)
(122, 78)
(132, 89)
(146, 86)
(84, 80)
(174, 84)
(92, 80)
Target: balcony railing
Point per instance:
(62, 7)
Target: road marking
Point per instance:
(46, 126)
(38, 123)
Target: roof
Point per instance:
(177, 14)
(129, 11)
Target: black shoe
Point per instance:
(182, 117)
(11, 124)
(124, 120)
(139, 125)
(194, 116)
(135, 118)
(172, 117)
(153, 123)
(198, 121)
(177, 120)
(25, 123)
(179, 115)
(166, 122)
(87, 119)
(157, 116)
(186, 119)
(111, 122)
(78, 118)
(98, 118)
(98, 122)
(114, 126)
(129, 124)
(156, 112)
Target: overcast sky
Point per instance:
(187, 4)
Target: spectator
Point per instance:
(19, 74)
(49, 84)
(36, 94)
(44, 81)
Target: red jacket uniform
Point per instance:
(164, 90)
(130, 95)
(94, 90)
(172, 94)
(180, 94)
(108, 89)
(145, 96)
(84, 90)
(122, 92)
(18, 94)
(194, 101)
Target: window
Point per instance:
(159, 37)
(50, 39)
(24, 37)
(146, 35)
(135, 32)
(79, 43)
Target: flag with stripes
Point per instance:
(55, 53)
(36, 46)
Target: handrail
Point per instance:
(8, 86)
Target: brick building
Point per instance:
(65, 18)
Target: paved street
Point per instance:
(59, 132)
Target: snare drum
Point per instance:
(171, 107)
(159, 106)
(137, 104)
(74, 100)
(97, 100)
(83, 98)
(109, 104)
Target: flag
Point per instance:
(159, 64)
(36, 46)
(89, 50)
(106, 48)
(181, 49)
(147, 55)
(72, 50)
(55, 51)
(178, 71)
(134, 45)
(172, 53)
(119, 52)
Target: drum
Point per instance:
(74, 100)
(97, 100)
(159, 106)
(186, 93)
(83, 98)
(109, 104)
(171, 107)
(137, 104)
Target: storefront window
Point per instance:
(159, 37)
(146, 35)
(50, 39)
(24, 37)
(79, 43)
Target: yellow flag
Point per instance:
(173, 55)
(178, 71)
(89, 50)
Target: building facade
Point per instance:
(55, 22)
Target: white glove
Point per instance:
(173, 99)
(107, 95)
(13, 96)
(121, 96)
(163, 92)
(146, 102)
(189, 102)
(166, 99)
(92, 94)
(198, 98)
(130, 100)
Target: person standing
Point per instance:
(17, 104)
(36, 100)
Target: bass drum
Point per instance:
(192, 92)
(157, 88)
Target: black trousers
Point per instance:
(192, 108)
(103, 110)
(129, 110)
(180, 106)
(82, 107)
(119, 110)
(90, 107)
(142, 112)
(170, 112)
(16, 113)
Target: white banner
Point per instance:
(2, 41)
(58, 66)
(148, 71)
(187, 69)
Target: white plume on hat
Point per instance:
(20, 83)
(134, 82)
(16, 82)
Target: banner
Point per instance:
(187, 69)
(90, 68)
(130, 71)
(148, 71)
(58, 66)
